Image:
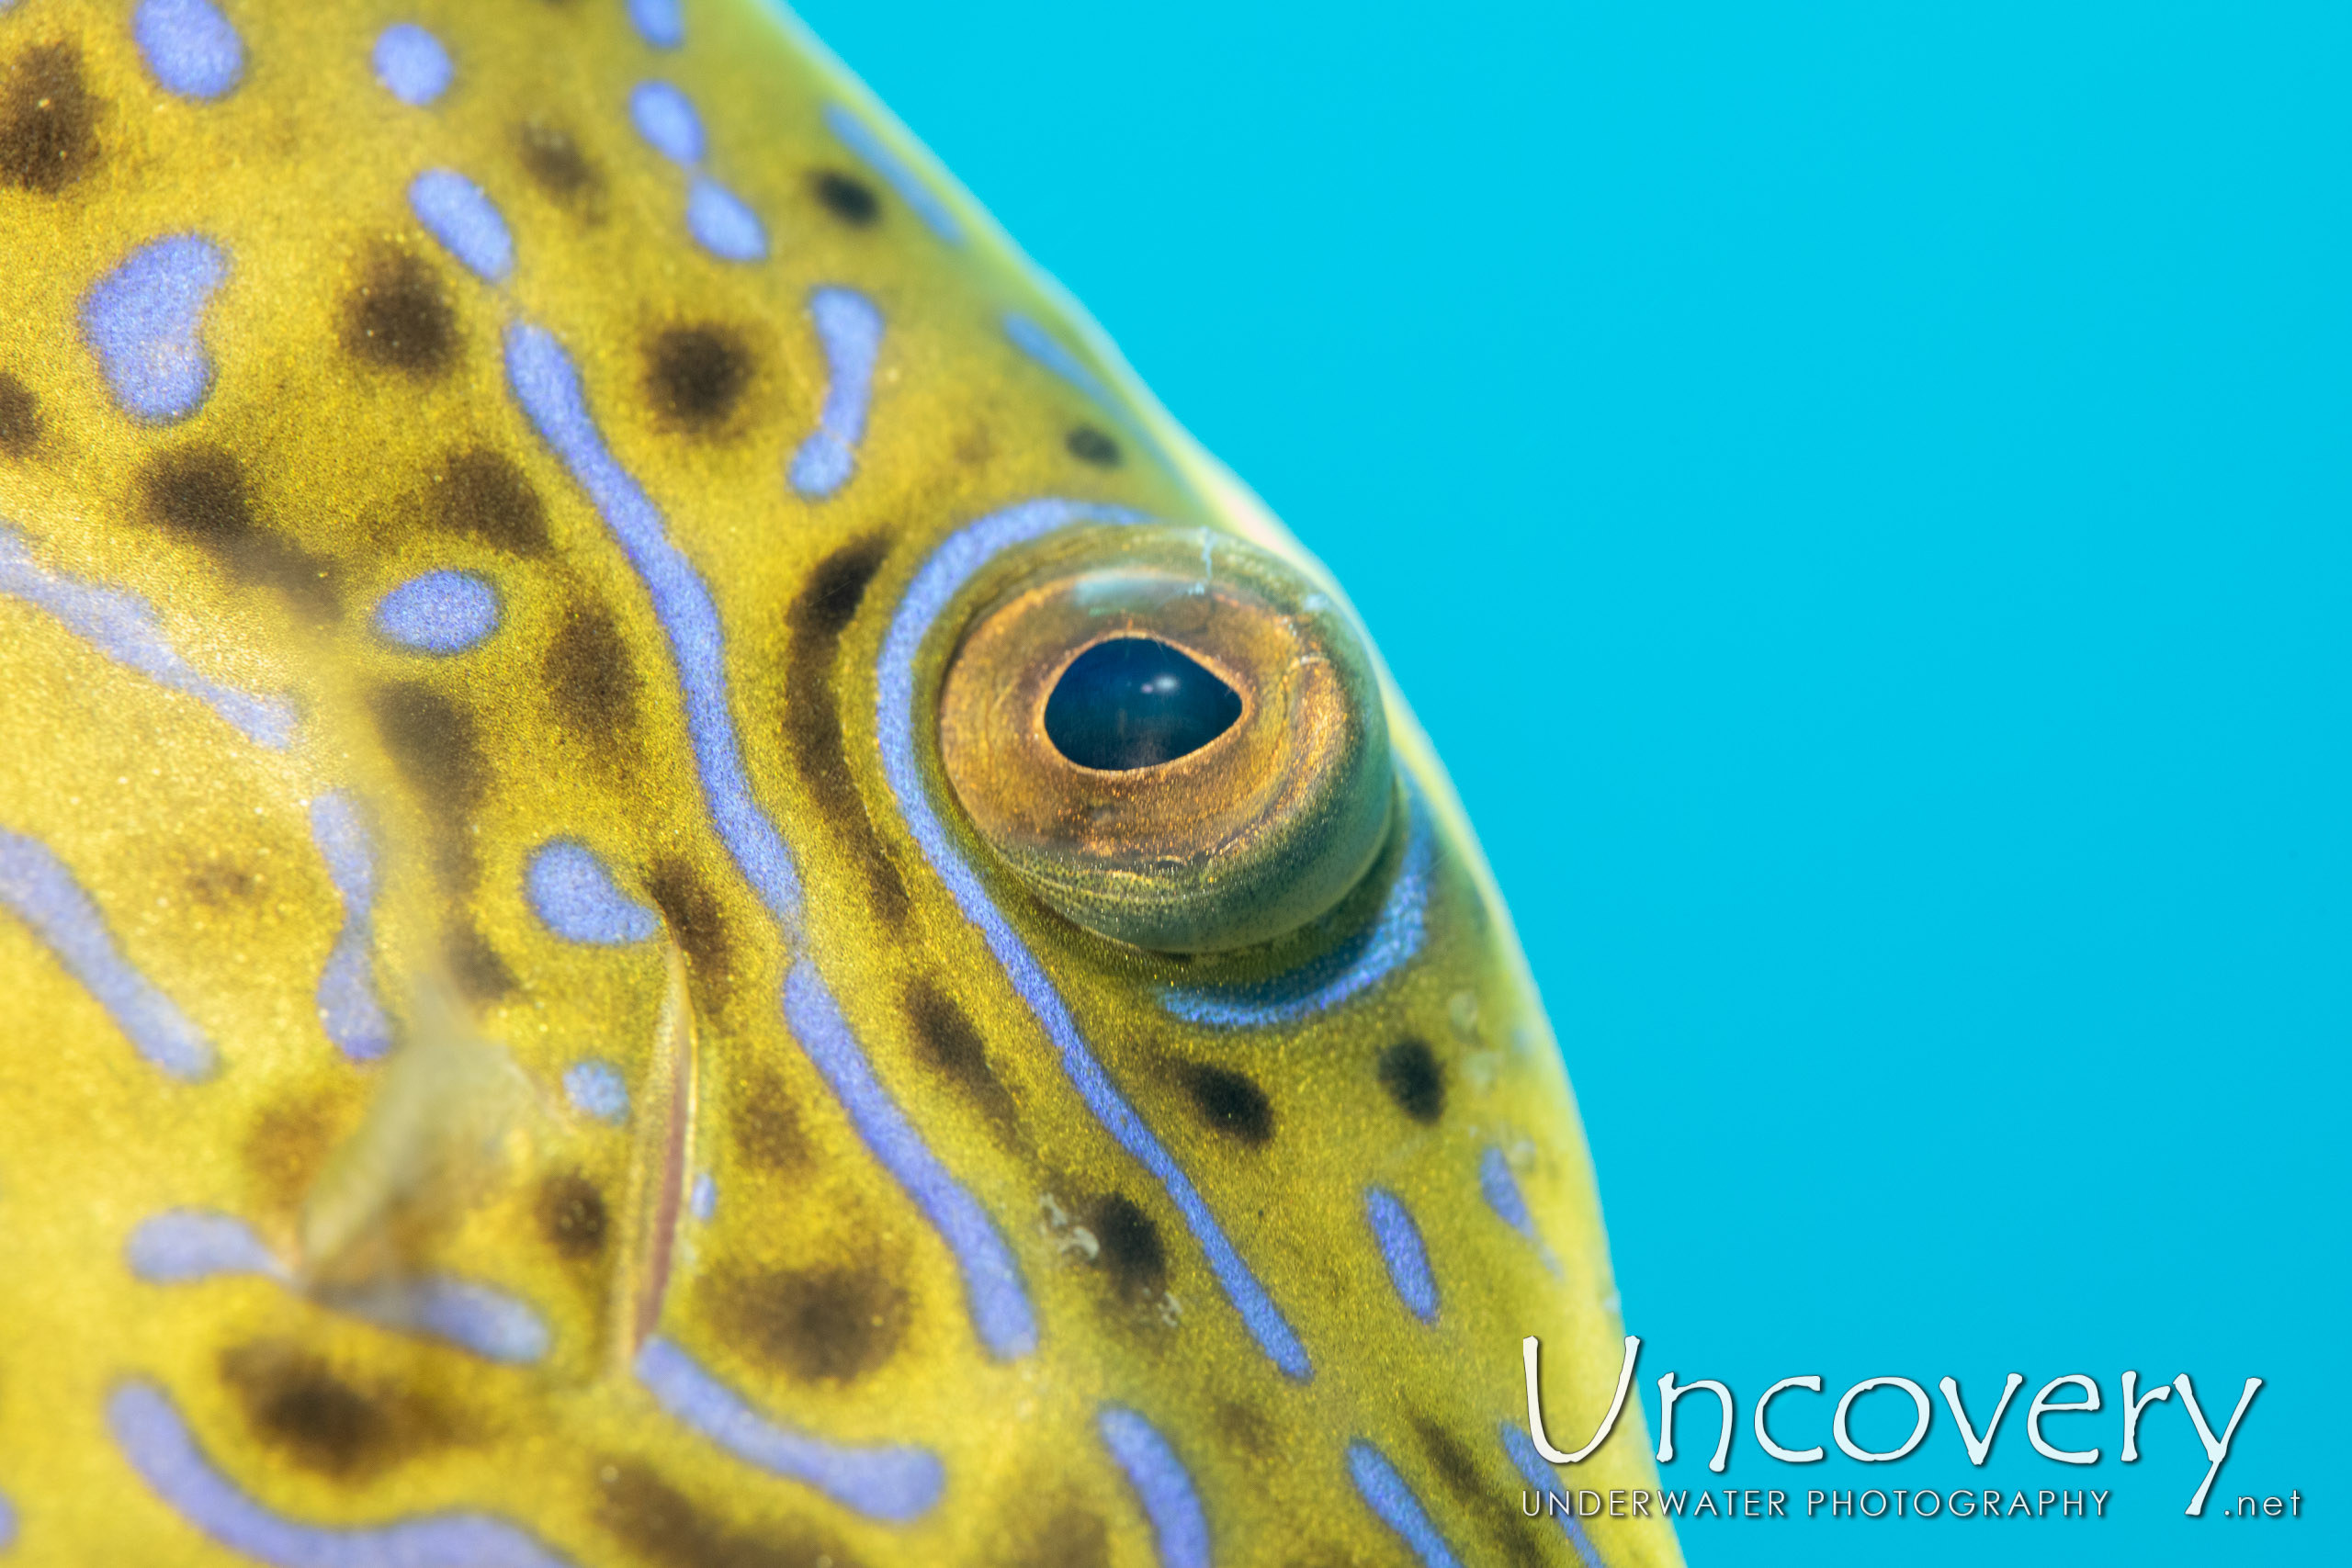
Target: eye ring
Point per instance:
(1249, 783)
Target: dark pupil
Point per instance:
(1135, 703)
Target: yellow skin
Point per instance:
(194, 845)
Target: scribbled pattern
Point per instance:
(429, 464)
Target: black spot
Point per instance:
(1089, 445)
(592, 682)
(848, 197)
(398, 317)
(766, 1122)
(553, 159)
(1410, 1073)
(829, 1324)
(1070, 1538)
(695, 376)
(1451, 1459)
(474, 964)
(20, 424)
(1230, 1102)
(952, 1043)
(663, 1525)
(1132, 1249)
(299, 1403)
(48, 121)
(197, 493)
(691, 908)
(573, 1215)
(434, 740)
(482, 494)
(812, 719)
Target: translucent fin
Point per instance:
(432, 1143)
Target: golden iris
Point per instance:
(1173, 737)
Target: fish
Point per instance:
(679, 887)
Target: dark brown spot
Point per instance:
(398, 317)
(572, 1215)
(1246, 1429)
(691, 908)
(20, 424)
(302, 1405)
(551, 156)
(1410, 1073)
(474, 964)
(663, 1524)
(820, 1324)
(481, 493)
(1132, 1249)
(766, 1122)
(1070, 1538)
(695, 376)
(287, 1145)
(1231, 1103)
(48, 121)
(219, 882)
(1089, 445)
(1451, 1458)
(847, 197)
(952, 1043)
(434, 743)
(592, 682)
(812, 719)
(197, 493)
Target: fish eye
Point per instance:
(1171, 737)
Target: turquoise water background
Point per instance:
(1861, 497)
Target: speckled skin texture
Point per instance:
(267, 849)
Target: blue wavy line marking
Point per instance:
(1531, 1469)
(465, 1312)
(1401, 1250)
(439, 612)
(658, 22)
(190, 46)
(1000, 1305)
(37, 885)
(154, 1438)
(1383, 947)
(938, 581)
(719, 221)
(666, 119)
(185, 1247)
(181, 1247)
(547, 388)
(916, 192)
(8, 1509)
(146, 321)
(1387, 1496)
(575, 895)
(850, 329)
(1501, 1188)
(1180, 1529)
(545, 383)
(349, 1008)
(411, 64)
(723, 223)
(892, 1484)
(126, 628)
(457, 212)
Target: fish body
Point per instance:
(569, 998)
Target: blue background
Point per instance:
(1861, 504)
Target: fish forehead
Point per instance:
(658, 380)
